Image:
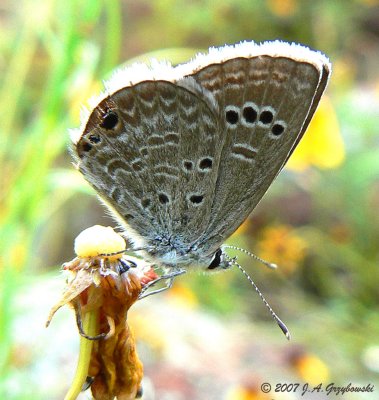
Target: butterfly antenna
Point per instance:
(131, 249)
(266, 263)
(281, 324)
(113, 254)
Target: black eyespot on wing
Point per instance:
(188, 165)
(231, 116)
(266, 117)
(249, 114)
(94, 139)
(216, 260)
(277, 129)
(196, 199)
(163, 198)
(110, 120)
(86, 146)
(205, 163)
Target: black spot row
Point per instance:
(250, 115)
(204, 164)
(164, 199)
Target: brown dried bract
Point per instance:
(115, 366)
(101, 285)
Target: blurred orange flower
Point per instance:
(247, 391)
(370, 3)
(311, 369)
(282, 8)
(322, 145)
(281, 245)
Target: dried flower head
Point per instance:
(102, 284)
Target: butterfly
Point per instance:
(181, 155)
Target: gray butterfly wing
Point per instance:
(266, 104)
(141, 152)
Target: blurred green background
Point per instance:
(210, 337)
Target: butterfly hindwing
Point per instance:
(148, 165)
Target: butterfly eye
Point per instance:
(110, 120)
(216, 260)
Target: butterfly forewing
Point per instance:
(316, 99)
(264, 104)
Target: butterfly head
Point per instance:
(219, 261)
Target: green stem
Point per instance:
(90, 326)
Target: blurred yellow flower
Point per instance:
(183, 295)
(322, 145)
(281, 245)
(282, 8)
(311, 369)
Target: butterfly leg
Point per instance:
(170, 277)
(79, 323)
